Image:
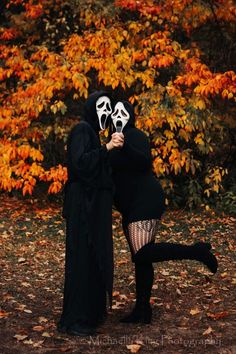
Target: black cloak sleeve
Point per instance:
(84, 160)
(135, 154)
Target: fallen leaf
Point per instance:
(4, 314)
(38, 344)
(207, 331)
(123, 297)
(20, 336)
(38, 328)
(45, 334)
(115, 293)
(223, 275)
(28, 341)
(26, 284)
(42, 319)
(194, 311)
(118, 305)
(134, 348)
(218, 315)
(123, 261)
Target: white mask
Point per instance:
(103, 109)
(120, 117)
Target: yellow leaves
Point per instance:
(36, 170)
(160, 167)
(199, 139)
(135, 27)
(58, 106)
(169, 134)
(200, 104)
(214, 180)
(80, 83)
(184, 134)
(171, 121)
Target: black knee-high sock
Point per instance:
(164, 251)
(144, 275)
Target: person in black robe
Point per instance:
(139, 198)
(88, 212)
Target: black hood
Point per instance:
(90, 114)
(130, 109)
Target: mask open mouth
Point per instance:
(103, 121)
(119, 126)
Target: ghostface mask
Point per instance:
(103, 109)
(120, 117)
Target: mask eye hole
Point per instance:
(100, 105)
(123, 113)
(107, 106)
(115, 113)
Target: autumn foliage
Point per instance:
(172, 59)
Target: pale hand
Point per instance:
(117, 140)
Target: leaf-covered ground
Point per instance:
(194, 312)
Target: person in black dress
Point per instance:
(139, 198)
(88, 212)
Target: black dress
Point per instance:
(138, 193)
(88, 212)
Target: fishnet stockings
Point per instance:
(140, 233)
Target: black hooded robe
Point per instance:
(88, 212)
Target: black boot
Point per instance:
(81, 330)
(61, 328)
(142, 312)
(201, 253)
(164, 251)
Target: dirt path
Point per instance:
(194, 312)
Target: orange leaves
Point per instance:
(7, 34)
(55, 187)
(160, 61)
(56, 174)
(186, 13)
(25, 151)
(169, 84)
(33, 11)
(144, 7)
(29, 185)
(206, 83)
